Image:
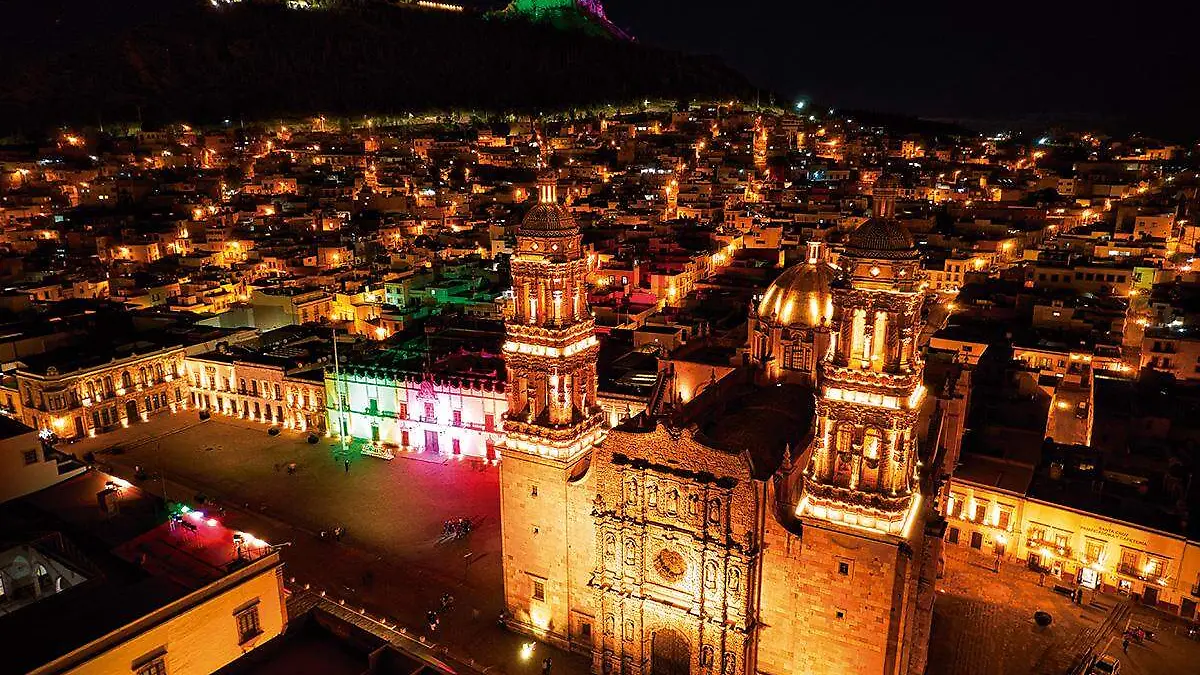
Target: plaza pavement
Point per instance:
(391, 560)
(983, 625)
(391, 563)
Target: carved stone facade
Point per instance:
(677, 537)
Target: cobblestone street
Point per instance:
(392, 560)
(983, 621)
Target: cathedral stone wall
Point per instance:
(534, 512)
(835, 602)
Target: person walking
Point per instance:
(546, 665)
(1125, 645)
(347, 466)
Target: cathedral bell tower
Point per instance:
(858, 562)
(553, 419)
(863, 466)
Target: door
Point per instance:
(669, 654)
(78, 425)
(1150, 596)
(976, 540)
(131, 410)
(952, 535)
(1187, 608)
(431, 441)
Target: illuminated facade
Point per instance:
(1160, 569)
(861, 590)
(727, 535)
(94, 398)
(553, 418)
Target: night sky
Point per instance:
(1134, 65)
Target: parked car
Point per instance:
(1105, 665)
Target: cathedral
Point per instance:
(781, 521)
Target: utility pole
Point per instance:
(337, 390)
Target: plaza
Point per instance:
(983, 625)
(392, 560)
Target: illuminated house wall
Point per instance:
(446, 415)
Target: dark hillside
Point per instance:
(73, 62)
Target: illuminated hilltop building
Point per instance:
(757, 529)
(587, 15)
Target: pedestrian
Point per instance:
(1041, 578)
(347, 466)
(1125, 645)
(546, 666)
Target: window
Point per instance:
(841, 613)
(456, 446)
(403, 411)
(155, 666)
(844, 568)
(30, 457)
(154, 663)
(533, 491)
(1003, 517)
(458, 418)
(247, 623)
(489, 422)
(430, 416)
(539, 590)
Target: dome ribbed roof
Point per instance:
(548, 220)
(789, 299)
(881, 238)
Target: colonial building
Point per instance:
(277, 381)
(778, 522)
(82, 397)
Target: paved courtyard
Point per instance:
(392, 560)
(983, 625)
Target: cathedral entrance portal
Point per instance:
(669, 653)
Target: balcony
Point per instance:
(1038, 544)
(1141, 573)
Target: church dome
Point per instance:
(799, 297)
(548, 220)
(881, 238)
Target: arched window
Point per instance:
(143, 377)
(126, 380)
(872, 442)
(845, 437)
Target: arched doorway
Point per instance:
(670, 653)
(131, 410)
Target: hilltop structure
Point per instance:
(587, 15)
